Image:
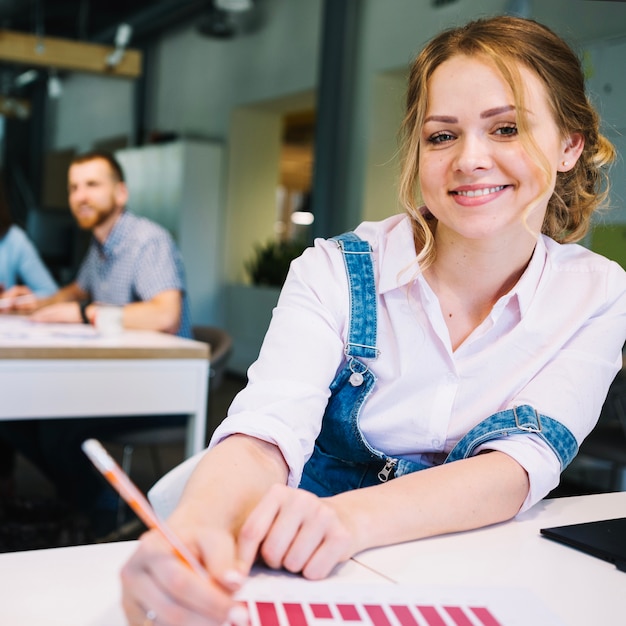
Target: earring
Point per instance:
(565, 163)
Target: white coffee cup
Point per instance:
(108, 319)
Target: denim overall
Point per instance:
(342, 458)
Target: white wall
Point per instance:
(194, 82)
(199, 80)
(91, 108)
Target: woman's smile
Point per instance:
(471, 196)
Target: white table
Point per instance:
(578, 588)
(80, 586)
(68, 370)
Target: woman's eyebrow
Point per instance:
(497, 111)
(446, 119)
(449, 119)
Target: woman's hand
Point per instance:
(20, 298)
(157, 587)
(296, 530)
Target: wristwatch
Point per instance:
(83, 313)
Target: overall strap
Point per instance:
(357, 256)
(522, 419)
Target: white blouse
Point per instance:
(554, 342)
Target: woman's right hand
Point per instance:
(158, 588)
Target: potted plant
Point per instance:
(250, 306)
(269, 263)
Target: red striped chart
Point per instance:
(285, 601)
(304, 614)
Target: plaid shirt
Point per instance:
(138, 260)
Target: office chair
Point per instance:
(221, 344)
(607, 441)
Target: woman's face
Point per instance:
(476, 176)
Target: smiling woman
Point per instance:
(487, 194)
(443, 365)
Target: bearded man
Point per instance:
(132, 263)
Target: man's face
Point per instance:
(95, 196)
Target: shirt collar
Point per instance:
(397, 258)
(116, 236)
(527, 285)
(398, 265)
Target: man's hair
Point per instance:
(114, 164)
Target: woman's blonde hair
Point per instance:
(509, 42)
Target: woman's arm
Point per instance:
(33, 273)
(236, 505)
(302, 533)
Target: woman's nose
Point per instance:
(472, 153)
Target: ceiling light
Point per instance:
(302, 218)
(236, 6)
(55, 86)
(26, 78)
(122, 38)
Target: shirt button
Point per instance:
(435, 443)
(451, 378)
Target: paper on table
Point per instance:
(297, 602)
(20, 328)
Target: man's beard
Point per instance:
(92, 219)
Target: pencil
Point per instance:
(107, 466)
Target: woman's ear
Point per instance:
(572, 149)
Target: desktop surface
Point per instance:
(505, 565)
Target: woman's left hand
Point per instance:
(298, 531)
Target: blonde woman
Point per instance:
(431, 373)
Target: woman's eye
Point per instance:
(507, 131)
(440, 137)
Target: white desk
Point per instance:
(578, 588)
(80, 586)
(68, 370)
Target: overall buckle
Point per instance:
(528, 427)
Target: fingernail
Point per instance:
(233, 578)
(238, 615)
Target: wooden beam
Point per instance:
(66, 54)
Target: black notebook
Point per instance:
(605, 539)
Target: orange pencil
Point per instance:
(107, 466)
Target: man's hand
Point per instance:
(68, 312)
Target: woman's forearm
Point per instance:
(230, 480)
(463, 495)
